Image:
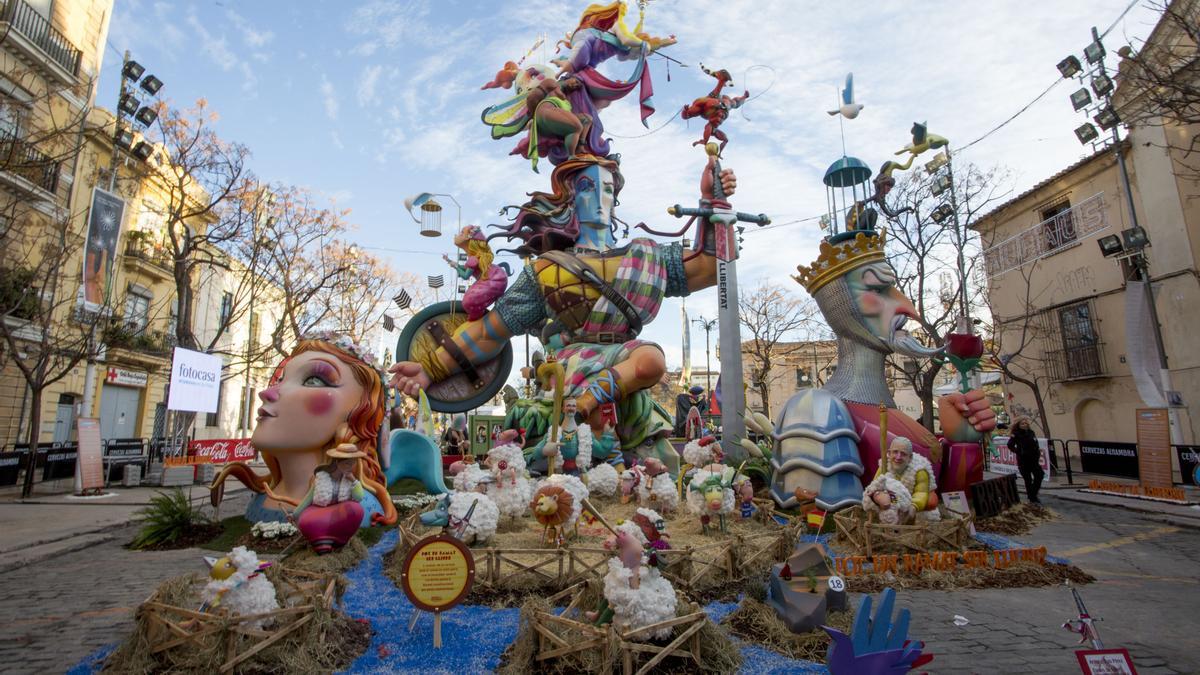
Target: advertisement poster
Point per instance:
(1005, 462)
(104, 229)
(222, 451)
(195, 381)
(89, 467)
(1189, 461)
(1109, 458)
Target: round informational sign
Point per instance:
(438, 573)
(836, 584)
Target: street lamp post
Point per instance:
(708, 326)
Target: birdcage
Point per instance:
(847, 192)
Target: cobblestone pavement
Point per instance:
(1146, 592)
(54, 613)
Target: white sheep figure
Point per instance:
(656, 489)
(711, 494)
(602, 480)
(512, 489)
(470, 477)
(702, 452)
(901, 506)
(237, 584)
(484, 518)
(653, 601)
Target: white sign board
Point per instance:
(126, 378)
(195, 382)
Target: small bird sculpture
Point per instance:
(848, 108)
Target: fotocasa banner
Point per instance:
(195, 382)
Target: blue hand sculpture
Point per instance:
(878, 646)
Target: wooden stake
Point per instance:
(437, 630)
(412, 621)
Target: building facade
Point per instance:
(1061, 306)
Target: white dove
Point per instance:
(848, 109)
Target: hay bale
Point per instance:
(1019, 575)
(327, 642)
(341, 560)
(1015, 520)
(756, 622)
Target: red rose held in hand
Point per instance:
(964, 346)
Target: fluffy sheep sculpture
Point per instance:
(557, 505)
(656, 489)
(635, 594)
(602, 480)
(512, 489)
(704, 453)
(237, 584)
(451, 511)
(711, 495)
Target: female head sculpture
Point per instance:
(584, 195)
(324, 394)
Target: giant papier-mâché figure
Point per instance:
(321, 396)
(585, 294)
(829, 438)
(326, 394)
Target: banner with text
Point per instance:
(1005, 461)
(104, 229)
(195, 382)
(1189, 459)
(222, 451)
(1109, 458)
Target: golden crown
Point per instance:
(837, 259)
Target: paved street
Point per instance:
(1146, 591)
(55, 612)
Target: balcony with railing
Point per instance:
(38, 40)
(1048, 237)
(20, 158)
(129, 341)
(144, 258)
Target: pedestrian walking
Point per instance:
(1024, 445)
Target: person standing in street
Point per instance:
(1024, 445)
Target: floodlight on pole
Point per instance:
(1081, 99)
(1110, 245)
(151, 85)
(133, 70)
(1086, 133)
(129, 104)
(430, 219)
(1107, 118)
(1069, 67)
(146, 116)
(1094, 52)
(1135, 238)
(1102, 85)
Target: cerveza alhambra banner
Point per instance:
(195, 381)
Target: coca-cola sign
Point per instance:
(222, 451)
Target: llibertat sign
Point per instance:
(195, 382)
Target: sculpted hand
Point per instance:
(966, 417)
(728, 182)
(409, 378)
(550, 449)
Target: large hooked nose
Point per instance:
(904, 306)
(270, 394)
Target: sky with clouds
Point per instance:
(369, 102)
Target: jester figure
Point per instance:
(596, 295)
(829, 438)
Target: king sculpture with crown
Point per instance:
(829, 439)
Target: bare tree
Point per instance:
(210, 203)
(1019, 339)
(924, 254)
(1160, 83)
(770, 315)
(43, 333)
(354, 305)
